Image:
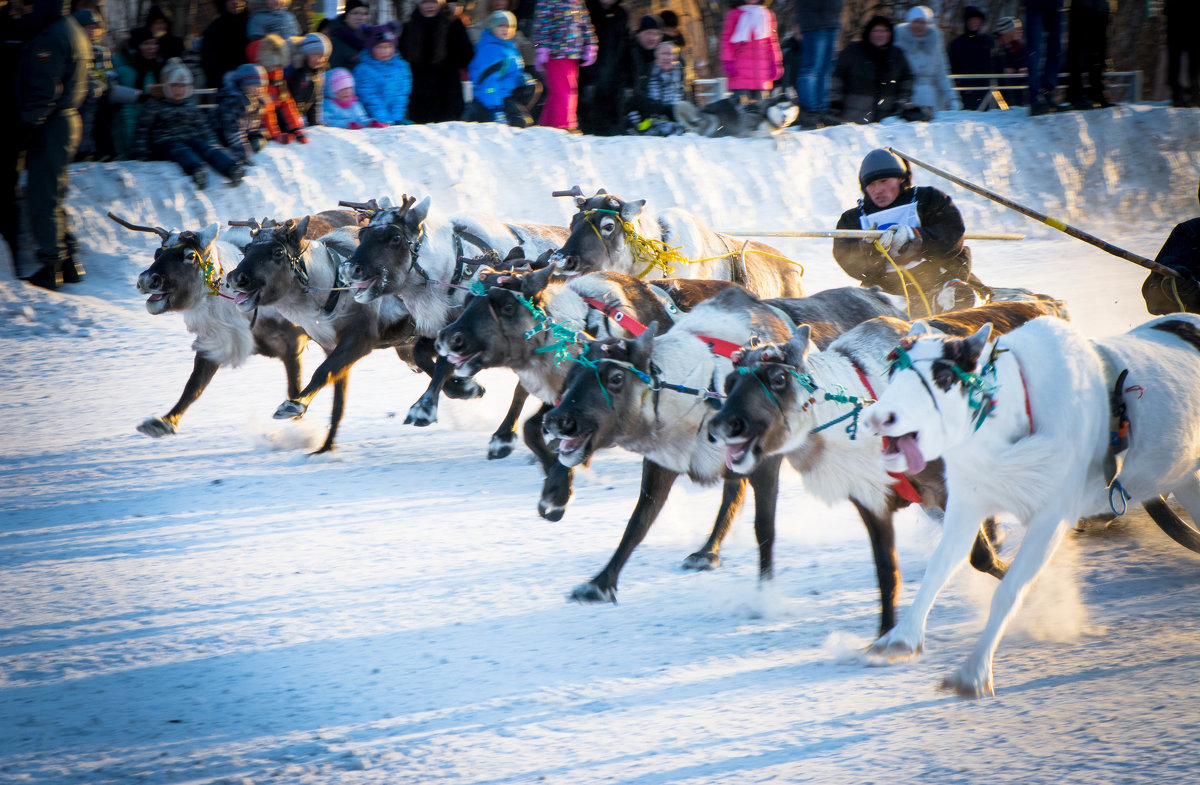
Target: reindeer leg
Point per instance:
(765, 482)
(203, 371)
(656, 486)
(341, 386)
(556, 490)
(424, 411)
(501, 445)
(457, 387)
(708, 558)
(887, 569)
(983, 552)
(335, 365)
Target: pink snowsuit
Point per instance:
(752, 64)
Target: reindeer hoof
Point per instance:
(290, 410)
(500, 447)
(702, 561)
(462, 389)
(965, 686)
(420, 416)
(893, 649)
(155, 427)
(551, 512)
(590, 592)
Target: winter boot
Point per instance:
(72, 270)
(235, 174)
(200, 178)
(48, 275)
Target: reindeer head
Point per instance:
(273, 266)
(597, 239)
(186, 268)
(389, 246)
(937, 394)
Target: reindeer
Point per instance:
(404, 254)
(185, 278)
(298, 277)
(785, 399)
(650, 396)
(492, 332)
(611, 233)
(242, 233)
(1047, 425)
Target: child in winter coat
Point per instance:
(306, 77)
(750, 52)
(384, 80)
(497, 72)
(96, 135)
(657, 93)
(174, 128)
(271, 17)
(237, 119)
(282, 122)
(342, 108)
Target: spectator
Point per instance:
(641, 54)
(820, 23)
(600, 83)
(488, 7)
(159, 25)
(563, 40)
(1043, 19)
(671, 31)
(793, 53)
(384, 80)
(96, 123)
(921, 42)
(1011, 57)
(238, 118)
(971, 53)
(271, 16)
(498, 75)
(1183, 20)
(51, 84)
(657, 94)
(137, 69)
(282, 122)
(1087, 38)
(750, 53)
(342, 108)
(306, 77)
(173, 127)
(436, 46)
(872, 79)
(348, 34)
(223, 47)
(12, 35)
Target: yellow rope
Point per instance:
(901, 272)
(1175, 294)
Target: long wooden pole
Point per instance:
(1053, 223)
(870, 234)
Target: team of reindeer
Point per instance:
(719, 369)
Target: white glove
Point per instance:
(895, 238)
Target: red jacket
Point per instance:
(751, 65)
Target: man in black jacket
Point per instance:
(51, 85)
(223, 47)
(872, 79)
(921, 255)
(972, 53)
(601, 83)
(1181, 252)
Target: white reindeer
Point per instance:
(1024, 425)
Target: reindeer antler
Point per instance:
(253, 224)
(575, 191)
(406, 203)
(371, 206)
(161, 232)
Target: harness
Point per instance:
(214, 273)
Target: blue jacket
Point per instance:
(383, 86)
(340, 117)
(500, 83)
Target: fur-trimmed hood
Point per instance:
(272, 53)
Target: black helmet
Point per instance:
(880, 164)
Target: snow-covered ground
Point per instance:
(219, 607)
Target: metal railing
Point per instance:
(1129, 82)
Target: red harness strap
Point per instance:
(902, 485)
(715, 345)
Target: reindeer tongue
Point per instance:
(907, 444)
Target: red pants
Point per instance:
(562, 94)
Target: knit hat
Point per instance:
(175, 72)
(380, 34)
(248, 74)
(352, 4)
(922, 12)
(669, 18)
(339, 78)
(156, 14)
(971, 12)
(139, 36)
(1004, 24)
(315, 44)
(86, 16)
(498, 18)
(650, 22)
(882, 163)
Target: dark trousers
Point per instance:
(50, 150)
(1087, 45)
(1043, 73)
(191, 154)
(1182, 40)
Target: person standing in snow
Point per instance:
(563, 40)
(601, 83)
(921, 42)
(1011, 58)
(872, 79)
(348, 34)
(1087, 44)
(972, 53)
(223, 47)
(436, 45)
(922, 254)
(384, 80)
(820, 23)
(750, 53)
(1043, 19)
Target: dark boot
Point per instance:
(47, 277)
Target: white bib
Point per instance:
(903, 215)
